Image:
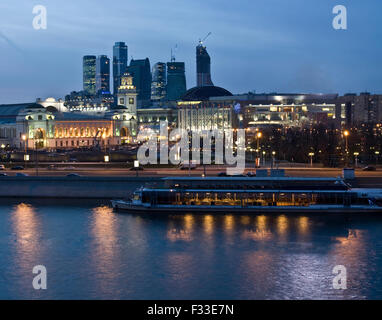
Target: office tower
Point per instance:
(103, 75)
(119, 64)
(89, 74)
(176, 80)
(141, 73)
(203, 67)
(158, 84)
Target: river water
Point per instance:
(90, 252)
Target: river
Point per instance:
(90, 252)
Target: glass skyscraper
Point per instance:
(120, 57)
(102, 75)
(203, 67)
(141, 72)
(176, 80)
(89, 74)
(158, 84)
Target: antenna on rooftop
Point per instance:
(173, 52)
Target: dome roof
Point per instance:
(118, 107)
(204, 93)
(34, 106)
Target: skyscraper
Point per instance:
(141, 73)
(119, 64)
(176, 80)
(102, 75)
(203, 66)
(158, 84)
(89, 74)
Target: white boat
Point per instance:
(252, 196)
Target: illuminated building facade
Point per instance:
(198, 111)
(37, 127)
(355, 109)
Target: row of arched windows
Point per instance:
(81, 132)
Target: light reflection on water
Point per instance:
(187, 256)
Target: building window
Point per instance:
(40, 117)
(121, 101)
(131, 100)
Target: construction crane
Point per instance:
(205, 38)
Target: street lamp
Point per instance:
(311, 155)
(273, 158)
(136, 166)
(346, 135)
(258, 135)
(24, 138)
(376, 157)
(264, 153)
(356, 154)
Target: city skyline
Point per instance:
(259, 49)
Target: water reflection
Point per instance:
(282, 225)
(27, 228)
(189, 257)
(208, 224)
(303, 225)
(229, 224)
(105, 253)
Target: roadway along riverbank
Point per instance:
(72, 187)
(109, 187)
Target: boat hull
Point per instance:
(172, 209)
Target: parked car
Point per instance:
(3, 174)
(2, 167)
(17, 168)
(369, 168)
(222, 174)
(73, 175)
(251, 174)
(20, 174)
(136, 169)
(188, 166)
(52, 167)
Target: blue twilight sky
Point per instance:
(262, 45)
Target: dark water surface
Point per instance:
(90, 252)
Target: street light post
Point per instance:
(346, 135)
(376, 157)
(105, 151)
(356, 154)
(24, 138)
(311, 155)
(259, 135)
(273, 159)
(264, 158)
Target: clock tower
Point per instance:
(127, 94)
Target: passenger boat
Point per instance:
(252, 196)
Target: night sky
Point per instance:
(262, 45)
